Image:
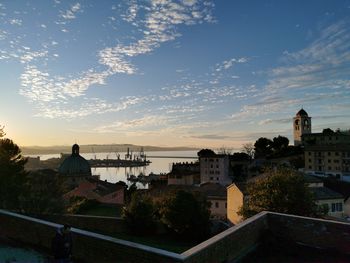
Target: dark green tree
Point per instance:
(139, 214)
(186, 215)
(279, 143)
(262, 147)
(206, 153)
(328, 131)
(12, 174)
(282, 190)
(43, 193)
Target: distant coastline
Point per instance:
(98, 148)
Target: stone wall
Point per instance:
(231, 244)
(100, 224)
(325, 234)
(87, 246)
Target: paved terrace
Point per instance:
(227, 246)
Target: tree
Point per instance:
(248, 148)
(224, 150)
(43, 193)
(262, 147)
(206, 153)
(139, 214)
(328, 131)
(186, 215)
(279, 143)
(12, 174)
(2, 133)
(283, 191)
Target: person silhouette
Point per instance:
(62, 245)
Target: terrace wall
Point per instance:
(87, 246)
(313, 232)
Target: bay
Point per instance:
(158, 164)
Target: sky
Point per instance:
(171, 73)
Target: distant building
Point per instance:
(184, 174)
(301, 126)
(215, 169)
(328, 154)
(75, 168)
(217, 195)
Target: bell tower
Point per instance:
(301, 125)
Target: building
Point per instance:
(328, 154)
(102, 191)
(215, 169)
(184, 174)
(301, 126)
(217, 195)
(75, 168)
(236, 196)
(325, 197)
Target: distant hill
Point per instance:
(97, 148)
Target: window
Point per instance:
(309, 153)
(333, 207)
(211, 178)
(329, 153)
(336, 153)
(217, 178)
(310, 167)
(217, 166)
(216, 204)
(329, 160)
(329, 168)
(337, 207)
(309, 160)
(225, 205)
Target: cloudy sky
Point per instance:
(165, 72)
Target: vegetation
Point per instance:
(248, 148)
(12, 174)
(43, 193)
(186, 215)
(38, 192)
(182, 213)
(275, 148)
(79, 205)
(206, 153)
(139, 214)
(282, 190)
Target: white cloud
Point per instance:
(17, 22)
(159, 25)
(226, 64)
(71, 13)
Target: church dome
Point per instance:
(302, 113)
(75, 165)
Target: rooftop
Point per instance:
(324, 193)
